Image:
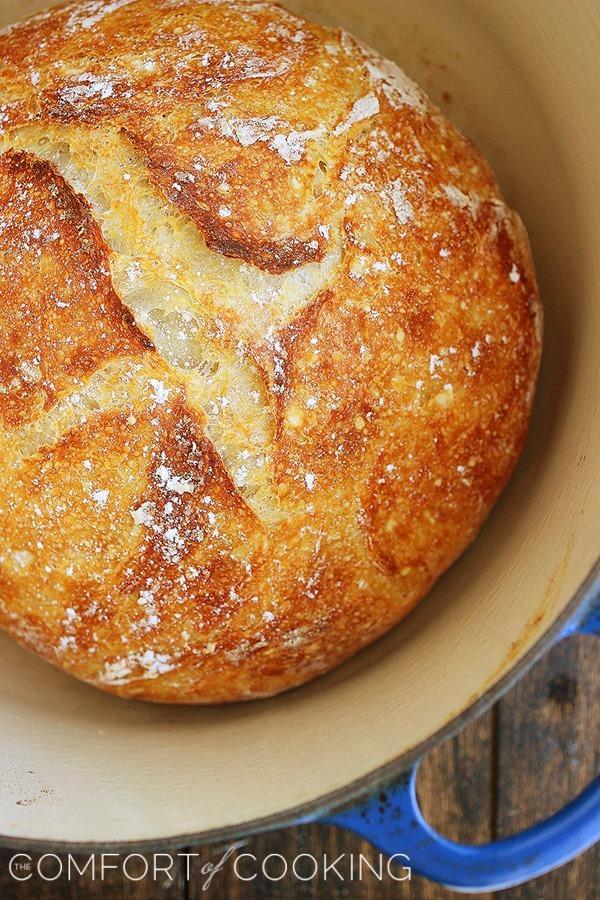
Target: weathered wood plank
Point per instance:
(549, 749)
(456, 791)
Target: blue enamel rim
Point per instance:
(322, 808)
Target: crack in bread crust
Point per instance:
(118, 384)
(209, 317)
(164, 92)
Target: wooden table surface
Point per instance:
(522, 760)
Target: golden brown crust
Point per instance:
(268, 343)
(56, 323)
(160, 71)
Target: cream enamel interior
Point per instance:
(78, 765)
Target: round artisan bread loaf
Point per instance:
(268, 343)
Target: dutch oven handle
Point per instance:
(392, 821)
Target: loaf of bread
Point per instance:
(268, 344)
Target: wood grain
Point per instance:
(534, 751)
(549, 749)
